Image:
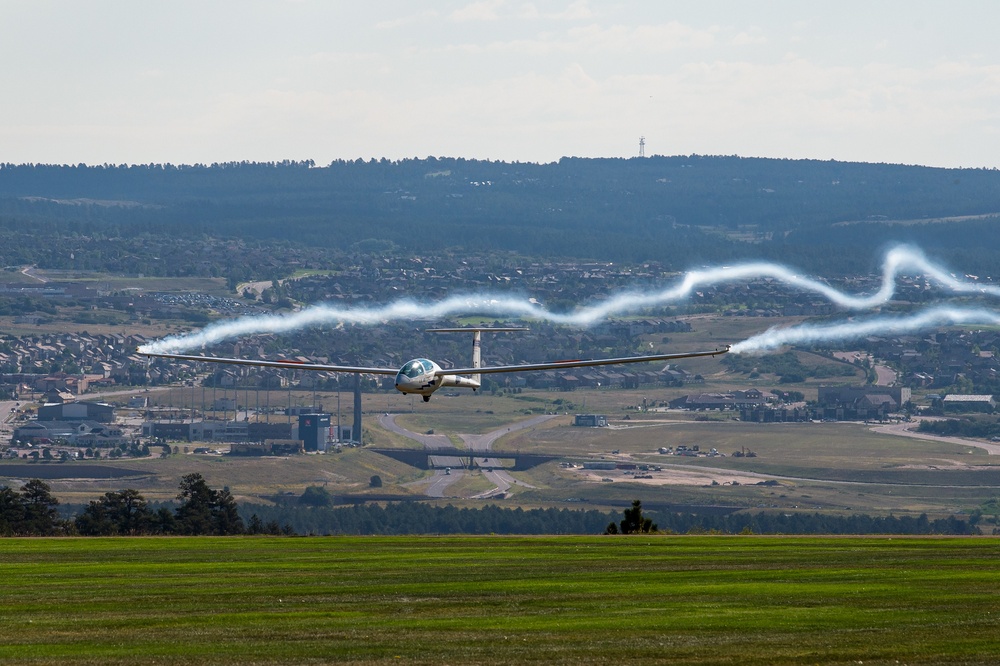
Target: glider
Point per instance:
(423, 376)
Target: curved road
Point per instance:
(441, 481)
(905, 429)
(885, 376)
(484, 443)
(388, 421)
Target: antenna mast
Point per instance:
(642, 146)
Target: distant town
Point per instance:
(953, 371)
(100, 260)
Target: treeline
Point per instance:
(778, 194)
(677, 210)
(983, 427)
(419, 518)
(202, 511)
(814, 523)
(33, 511)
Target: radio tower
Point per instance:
(642, 146)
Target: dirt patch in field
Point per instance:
(677, 477)
(66, 471)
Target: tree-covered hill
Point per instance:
(679, 210)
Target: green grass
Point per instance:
(500, 600)
(208, 285)
(249, 478)
(311, 272)
(473, 422)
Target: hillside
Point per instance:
(679, 211)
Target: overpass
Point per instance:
(421, 458)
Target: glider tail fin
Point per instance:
(477, 350)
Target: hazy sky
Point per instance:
(185, 81)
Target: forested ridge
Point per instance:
(677, 210)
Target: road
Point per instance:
(909, 429)
(29, 271)
(388, 421)
(484, 443)
(7, 408)
(503, 482)
(476, 443)
(884, 376)
(441, 481)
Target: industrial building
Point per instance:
(76, 433)
(590, 420)
(77, 411)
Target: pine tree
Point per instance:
(634, 522)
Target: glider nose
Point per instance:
(414, 376)
(403, 383)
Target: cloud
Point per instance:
(577, 11)
(752, 37)
(494, 10)
(643, 38)
(793, 107)
(587, 40)
(511, 79)
(484, 10)
(403, 21)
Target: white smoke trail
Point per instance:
(317, 315)
(897, 260)
(847, 330)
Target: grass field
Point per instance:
(75, 318)
(500, 600)
(840, 467)
(207, 285)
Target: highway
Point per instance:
(475, 443)
(484, 443)
(441, 481)
(7, 408)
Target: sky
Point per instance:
(119, 81)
